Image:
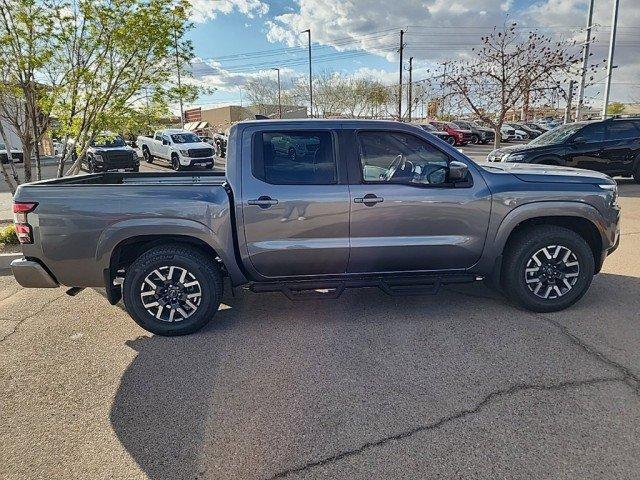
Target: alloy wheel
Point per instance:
(552, 272)
(171, 293)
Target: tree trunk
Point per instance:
(26, 158)
(497, 137)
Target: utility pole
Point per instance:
(279, 99)
(410, 92)
(610, 67)
(400, 81)
(567, 112)
(308, 31)
(175, 44)
(585, 62)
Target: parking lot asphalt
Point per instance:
(456, 385)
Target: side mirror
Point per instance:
(579, 140)
(458, 171)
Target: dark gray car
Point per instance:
(361, 204)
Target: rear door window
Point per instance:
(593, 132)
(622, 131)
(294, 158)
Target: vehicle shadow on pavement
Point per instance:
(272, 385)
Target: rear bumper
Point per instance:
(31, 274)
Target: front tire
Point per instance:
(547, 268)
(636, 173)
(451, 141)
(175, 163)
(172, 290)
(475, 139)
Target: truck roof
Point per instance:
(173, 130)
(324, 122)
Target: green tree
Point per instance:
(615, 108)
(108, 53)
(26, 46)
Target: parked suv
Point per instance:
(609, 146)
(450, 139)
(462, 137)
(478, 134)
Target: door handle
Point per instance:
(263, 201)
(369, 200)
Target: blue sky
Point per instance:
(359, 37)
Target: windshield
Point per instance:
(452, 125)
(108, 141)
(429, 128)
(557, 135)
(185, 138)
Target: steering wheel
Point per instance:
(393, 168)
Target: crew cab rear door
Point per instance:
(295, 203)
(405, 216)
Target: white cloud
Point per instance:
(436, 30)
(203, 10)
(626, 78)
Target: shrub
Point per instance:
(8, 236)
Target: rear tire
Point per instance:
(147, 155)
(535, 282)
(475, 140)
(180, 304)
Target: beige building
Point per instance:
(221, 118)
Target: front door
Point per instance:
(295, 209)
(584, 149)
(405, 216)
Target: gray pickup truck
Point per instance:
(360, 204)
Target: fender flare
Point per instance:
(546, 209)
(120, 231)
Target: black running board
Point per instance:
(391, 285)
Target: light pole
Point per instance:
(175, 44)
(279, 100)
(585, 61)
(400, 79)
(308, 31)
(610, 67)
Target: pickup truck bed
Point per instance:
(80, 220)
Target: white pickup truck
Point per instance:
(179, 147)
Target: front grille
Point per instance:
(201, 152)
(117, 159)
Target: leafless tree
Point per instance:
(506, 69)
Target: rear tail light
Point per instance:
(23, 229)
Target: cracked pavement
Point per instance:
(457, 385)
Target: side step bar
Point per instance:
(391, 285)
